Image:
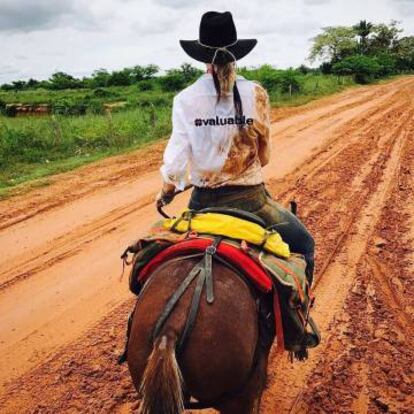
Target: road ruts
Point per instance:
(348, 162)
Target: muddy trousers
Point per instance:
(255, 199)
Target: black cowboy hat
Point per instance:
(218, 41)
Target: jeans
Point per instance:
(256, 200)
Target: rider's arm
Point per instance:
(177, 153)
(264, 130)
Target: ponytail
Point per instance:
(224, 77)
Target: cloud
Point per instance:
(147, 28)
(285, 28)
(38, 37)
(174, 4)
(30, 15)
(7, 69)
(315, 2)
(405, 7)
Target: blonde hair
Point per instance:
(226, 75)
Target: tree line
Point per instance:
(366, 50)
(144, 76)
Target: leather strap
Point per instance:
(192, 314)
(208, 266)
(169, 307)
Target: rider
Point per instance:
(221, 127)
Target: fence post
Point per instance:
(57, 129)
(290, 91)
(153, 116)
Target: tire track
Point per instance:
(343, 259)
(354, 170)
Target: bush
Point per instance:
(326, 68)
(69, 107)
(2, 107)
(289, 81)
(96, 107)
(387, 64)
(266, 75)
(102, 93)
(274, 80)
(145, 85)
(10, 110)
(172, 82)
(363, 68)
(304, 70)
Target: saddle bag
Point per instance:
(296, 299)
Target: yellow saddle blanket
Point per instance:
(229, 226)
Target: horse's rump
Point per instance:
(220, 352)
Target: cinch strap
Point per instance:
(220, 49)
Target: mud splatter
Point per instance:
(242, 165)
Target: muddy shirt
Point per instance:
(207, 147)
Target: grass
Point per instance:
(35, 147)
(312, 87)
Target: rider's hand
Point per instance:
(163, 198)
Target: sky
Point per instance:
(40, 37)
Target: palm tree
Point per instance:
(363, 30)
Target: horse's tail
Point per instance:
(161, 386)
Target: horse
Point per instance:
(224, 361)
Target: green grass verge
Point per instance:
(33, 147)
(36, 147)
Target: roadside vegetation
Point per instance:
(365, 51)
(57, 124)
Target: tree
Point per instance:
(140, 73)
(387, 63)
(385, 37)
(326, 68)
(62, 80)
(404, 53)
(99, 78)
(363, 29)
(363, 68)
(304, 70)
(334, 44)
(173, 81)
(19, 85)
(32, 83)
(6, 87)
(120, 78)
(189, 72)
(177, 79)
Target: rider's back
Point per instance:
(223, 149)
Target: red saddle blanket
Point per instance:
(232, 254)
(235, 256)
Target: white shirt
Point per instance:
(206, 146)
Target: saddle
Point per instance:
(240, 241)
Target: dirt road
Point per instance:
(349, 162)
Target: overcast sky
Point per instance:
(39, 37)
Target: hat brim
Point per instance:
(206, 54)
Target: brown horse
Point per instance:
(224, 361)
